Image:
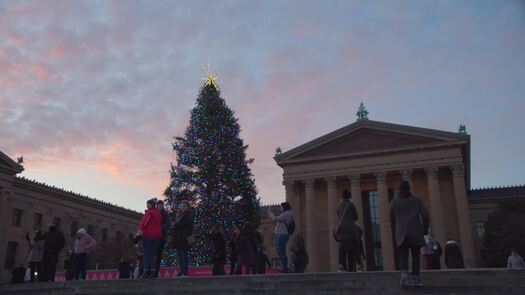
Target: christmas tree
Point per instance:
(212, 171)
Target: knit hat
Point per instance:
(81, 231)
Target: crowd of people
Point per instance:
(408, 215)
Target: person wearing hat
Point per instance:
(83, 244)
(150, 229)
(165, 225)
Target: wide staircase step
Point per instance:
(458, 282)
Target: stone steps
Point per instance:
(466, 282)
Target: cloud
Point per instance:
(105, 85)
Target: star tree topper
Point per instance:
(211, 78)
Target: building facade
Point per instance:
(26, 205)
(369, 159)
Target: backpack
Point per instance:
(290, 227)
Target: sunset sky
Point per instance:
(92, 92)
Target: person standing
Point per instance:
(283, 228)
(83, 244)
(261, 261)
(150, 229)
(453, 255)
(219, 247)
(246, 244)
(410, 221)
(429, 251)
(124, 269)
(299, 255)
(183, 237)
(164, 227)
(515, 261)
(36, 252)
(54, 242)
(346, 233)
(233, 251)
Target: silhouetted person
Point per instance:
(283, 229)
(54, 242)
(261, 261)
(346, 233)
(233, 251)
(299, 254)
(515, 261)
(245, 244)
(124, 269)
(18, 274)
(183, 237)
(219, 250)
(410, 220)
(165, 225)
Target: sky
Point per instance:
(93, 92)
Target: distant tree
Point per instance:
(504, 230)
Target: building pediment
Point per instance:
(365, 137)
(8, 166)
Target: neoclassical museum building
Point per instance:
(26, 205)
(369, 159)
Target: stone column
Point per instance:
(332, 220)
(464, 223)
(5, 222)
(436, 208)
(355, 181)
(384, 223)
(311, 245)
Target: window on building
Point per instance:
(37, 223)
(480, 225)
(57, 221)
(17, 217)
(118, 237)
(104, 234)
(10, 255)
(74, 228)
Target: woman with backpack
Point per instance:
(284, 227)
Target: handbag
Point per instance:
(190, 239)
(336, 228)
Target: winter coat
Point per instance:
(54, 240)
(219, 246)
(150, 224)
(245, 246)
(182, 229)
(347, 229)
(84, 244)
(515, 262)
(37, 251)
(410, 219)
(282, 221)
(298, 250)
(124, 269)
(262, 261)
(165, 225)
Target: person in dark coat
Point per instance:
(69, 272)
(410, 220)
(346, 233)
(54, 242)
(453, 255)
(165, 225)
(233, 251)
(299, 255)
(245, 245)
(219, 247)
(261, 261)
(124, 269)
(183, 236)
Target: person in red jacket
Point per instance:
(150, 228)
